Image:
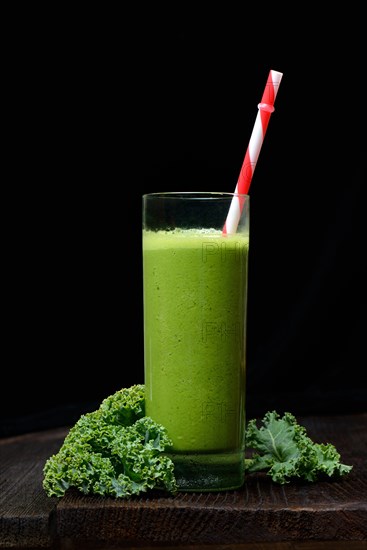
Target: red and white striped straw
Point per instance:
(265, 108)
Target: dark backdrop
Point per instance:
(106, 107)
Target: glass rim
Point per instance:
(195, 195)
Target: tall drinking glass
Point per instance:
(195, 302)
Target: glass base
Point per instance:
(209, 472)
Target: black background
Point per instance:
(104, 107)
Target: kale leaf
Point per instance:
(117, 451)
(114, 451)
(282, 448)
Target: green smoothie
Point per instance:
(195, 292)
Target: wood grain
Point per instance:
(25, 509)
(291, 517)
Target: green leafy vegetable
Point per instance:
(117, 451)
(284, 451)
(114, 451)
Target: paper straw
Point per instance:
(265, 108)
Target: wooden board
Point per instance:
(259, 514)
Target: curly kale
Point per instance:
(114, 451)
(117, 451)
(285, 452)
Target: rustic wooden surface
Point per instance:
(327, 515)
